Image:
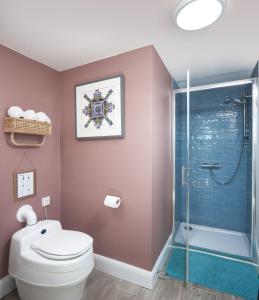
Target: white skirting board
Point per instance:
(131, 273)
(7, 284)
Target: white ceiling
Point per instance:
(67, 33)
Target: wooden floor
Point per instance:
(101, 286)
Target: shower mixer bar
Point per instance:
(214, 166)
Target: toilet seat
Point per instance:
(59, 257)
(63, 245)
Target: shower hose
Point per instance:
(228, 181)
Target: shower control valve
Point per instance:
(206, 165)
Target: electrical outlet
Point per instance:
(45, 201)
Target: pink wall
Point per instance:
(28, 84)
(124, 167)
(161, 156)
(137, 168)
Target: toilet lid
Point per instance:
(64, 244)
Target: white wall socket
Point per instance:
(45, 201)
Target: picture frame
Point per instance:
(24, 184)
(100, 109)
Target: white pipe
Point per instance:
(26, 214)
(30, 217)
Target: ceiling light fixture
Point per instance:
(198, 14)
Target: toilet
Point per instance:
(50, 263)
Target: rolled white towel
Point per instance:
(15, 112)
(42, 117)
(48, 120)
(29, 114)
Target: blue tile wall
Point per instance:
(216, 131)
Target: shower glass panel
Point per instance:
(220, 170)
(214, 188)
(181, 185)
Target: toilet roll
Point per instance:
(112, 201)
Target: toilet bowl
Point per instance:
(49, 263)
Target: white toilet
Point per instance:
(49, 263)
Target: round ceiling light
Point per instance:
(198, 14)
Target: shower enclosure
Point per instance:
(214, 145)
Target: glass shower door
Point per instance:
(209, 132)
(221, 169)
(218, 213)
(177, 266)
(188, 228)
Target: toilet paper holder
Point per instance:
(112, 201)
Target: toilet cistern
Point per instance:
(26, 214)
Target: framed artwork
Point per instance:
(100, 109)
(24, 184)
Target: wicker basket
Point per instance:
(18, 125)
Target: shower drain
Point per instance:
(190, 227)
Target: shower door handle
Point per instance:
(184, 169)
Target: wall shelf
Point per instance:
(28, 127)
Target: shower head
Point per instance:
(228, 100)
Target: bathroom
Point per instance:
(161, 187)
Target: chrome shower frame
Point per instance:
(255, 103)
